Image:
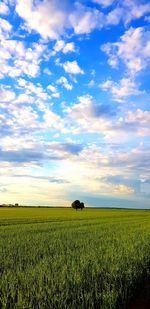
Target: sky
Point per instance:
(75, 102)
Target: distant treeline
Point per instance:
(9, 205)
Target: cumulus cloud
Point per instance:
(60, 45)
(139, 119)
(126, 11)
(47, 71)
(16, 120)
(52, 18)
(114, 16)
(134, 10)
(88, 116)
(52, 88)
(122, 189)
(48, 18)
(30, 88)
(37, 151)
(69, 47)
(72, 67)
(54, 91)
(4, 10)
(5, 28)
(64, 82)
(133, 50)
(85, 19)
(96, 173)
(104, 3)
(6, 94)
(126, 87)
(137, 160)
(27, 111)
(139, 115)
(91, 83)
(17, 59)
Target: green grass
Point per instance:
(62, 258)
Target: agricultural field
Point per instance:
(63, 258)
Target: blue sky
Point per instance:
(75, 102)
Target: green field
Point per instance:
(63, 258)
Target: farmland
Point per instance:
(62, 258)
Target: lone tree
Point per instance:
(77, 205)
(82, 205)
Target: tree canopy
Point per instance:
(77, 205)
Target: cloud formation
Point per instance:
(47, 18)
(72, 67)
(74, 101)
(126, 87)
(133, 49)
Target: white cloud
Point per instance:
(51, 119)
(87, 116)
(138, 115)
(82, 117)
(126, 87)
(56, 95)
(25, 117)
(24, 98)
(31, 69)
(4, 10)
(17, 59)
(91, 83)
(17, 142)
(6, 94)
(72, 67)
(132, 49)
(69, 47)
(28, 111)
(134, 10)
(126, 12)
(18, 119)
(51, 88)
(5, 28)
(47, 17)
(31, 88)
(64, 82)
(65, 48)
(147, 49)
(22, 82)
(122, 189)
(104, 3)
(85, 19)
(59, 45)
(107, 84)
(51, 18)
(54, 91)
(47, 71)
(141, 120)
(91, 173)
(114, 16)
